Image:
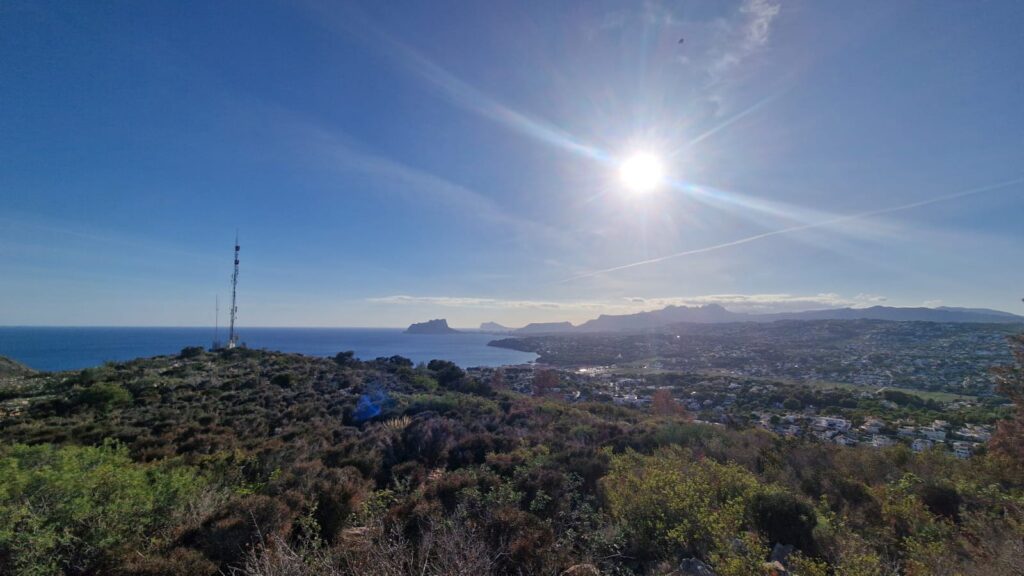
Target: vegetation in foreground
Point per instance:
(252, 462)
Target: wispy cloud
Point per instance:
(457, 90)
(743, 38)
(803, 227)
(754, 303)
(489, 303)
(765, 303)
(338, 153)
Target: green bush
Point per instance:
(670, 502)
(82, 509)
(191, 352)
(783, 518)
(104, 395)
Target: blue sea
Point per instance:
(53, 349)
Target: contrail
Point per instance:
(791, 229)
(458, 91)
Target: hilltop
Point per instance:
(259, 462)
(9, 367)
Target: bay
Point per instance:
(74, 348)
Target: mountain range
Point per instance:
(716, 314)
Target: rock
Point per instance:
(775, 568)
(356, 538)
(780, 552)
(439, 326)
(582, 570)
(694, 567)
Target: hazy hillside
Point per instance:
(715, 314)
(545, 328)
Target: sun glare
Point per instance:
(642, 172)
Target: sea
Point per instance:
(74, 348)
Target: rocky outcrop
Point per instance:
(439, 326)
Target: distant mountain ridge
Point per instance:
(716, 314)
(494, 327)
(545, 328)
(982, 315)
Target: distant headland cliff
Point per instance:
(439, 326)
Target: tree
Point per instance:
(792, 404)
(663, 404)
(346, 358)
(105, 395)
(498, 380)
(448, 374)
(544, 382)
(1008, 439)
(783, 518)
(191, 351)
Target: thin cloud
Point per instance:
(764, 303)
(802, 227)
(458, 91)
(754, 303)
(343, 155)
(489, 303)
(742, 41)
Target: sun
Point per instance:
(642, 172)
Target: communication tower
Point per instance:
(216, 322)
(232, 337)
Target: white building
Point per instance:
(872, 425)
(879, 441)
(962, 450)
(830, 423)
(844, 440)
(932, 433)
(921, 444)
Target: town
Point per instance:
(923, 385)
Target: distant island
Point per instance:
(439, 326)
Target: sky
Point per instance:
(390, 162)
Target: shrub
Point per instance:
(191, 352)
(670, 502)
(84, 509)
(284, 380)
(104, 395)
(783, 518)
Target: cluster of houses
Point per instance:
(877, 433)
(716, 400)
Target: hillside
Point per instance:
(12, 368)
(271, 463)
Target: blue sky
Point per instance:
(388, 163)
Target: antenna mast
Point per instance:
(232, 337)
(216, 322)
